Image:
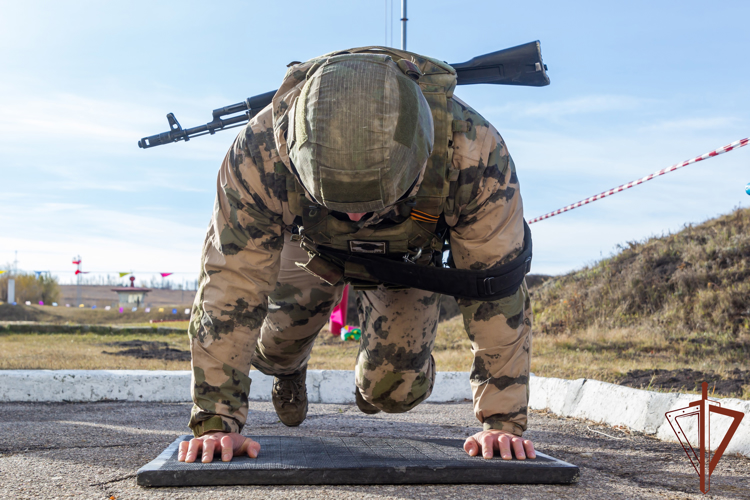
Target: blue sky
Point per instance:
(636, 86)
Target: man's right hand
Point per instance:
(228, 444)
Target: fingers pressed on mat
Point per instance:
(226, 449)
(253, 448)
(182, 451)
(529, 447)
(518, 448)
(504, 442)
(487, 446)
(193, 448)
(208, 450)
(471, 447)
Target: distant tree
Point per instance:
(30, 287)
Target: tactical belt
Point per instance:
(490, 284)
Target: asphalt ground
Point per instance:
(92, 451)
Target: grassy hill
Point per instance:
(676, 301)
(691, 282)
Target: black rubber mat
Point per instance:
(285, 460)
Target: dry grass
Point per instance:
(608, 355)
(81, 351)
(84, 351)
(595, 353)
(181, 325)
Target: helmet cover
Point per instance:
(360, 132)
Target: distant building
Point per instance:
(131, 295)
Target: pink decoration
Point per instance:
(338, 315)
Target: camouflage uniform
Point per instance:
(255, 307)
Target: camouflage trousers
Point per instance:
(395, 370)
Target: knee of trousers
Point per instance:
(284, 361)
(395, 391)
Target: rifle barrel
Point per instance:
(249, 108)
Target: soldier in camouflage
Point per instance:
(356, 133)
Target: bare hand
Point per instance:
(228, 444)
(492, 440)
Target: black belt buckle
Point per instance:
(487, 283)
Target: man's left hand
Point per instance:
(491, 440)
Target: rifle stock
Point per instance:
(520, 65)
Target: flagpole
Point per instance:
(403, 24)
(78, 281)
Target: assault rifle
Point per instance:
(521, 65)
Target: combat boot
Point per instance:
(289, 397)
(363, 405)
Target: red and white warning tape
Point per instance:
(715, 152)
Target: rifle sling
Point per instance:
(489, 284)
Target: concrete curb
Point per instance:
(22, 327)
(323, 386)
(611, 404)
(94, 385)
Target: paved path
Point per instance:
(92, 451)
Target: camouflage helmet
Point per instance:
(360, 132)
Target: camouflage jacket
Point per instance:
(240, 263)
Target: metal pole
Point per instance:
(78, 282)
(11, 291)
(403, 24)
